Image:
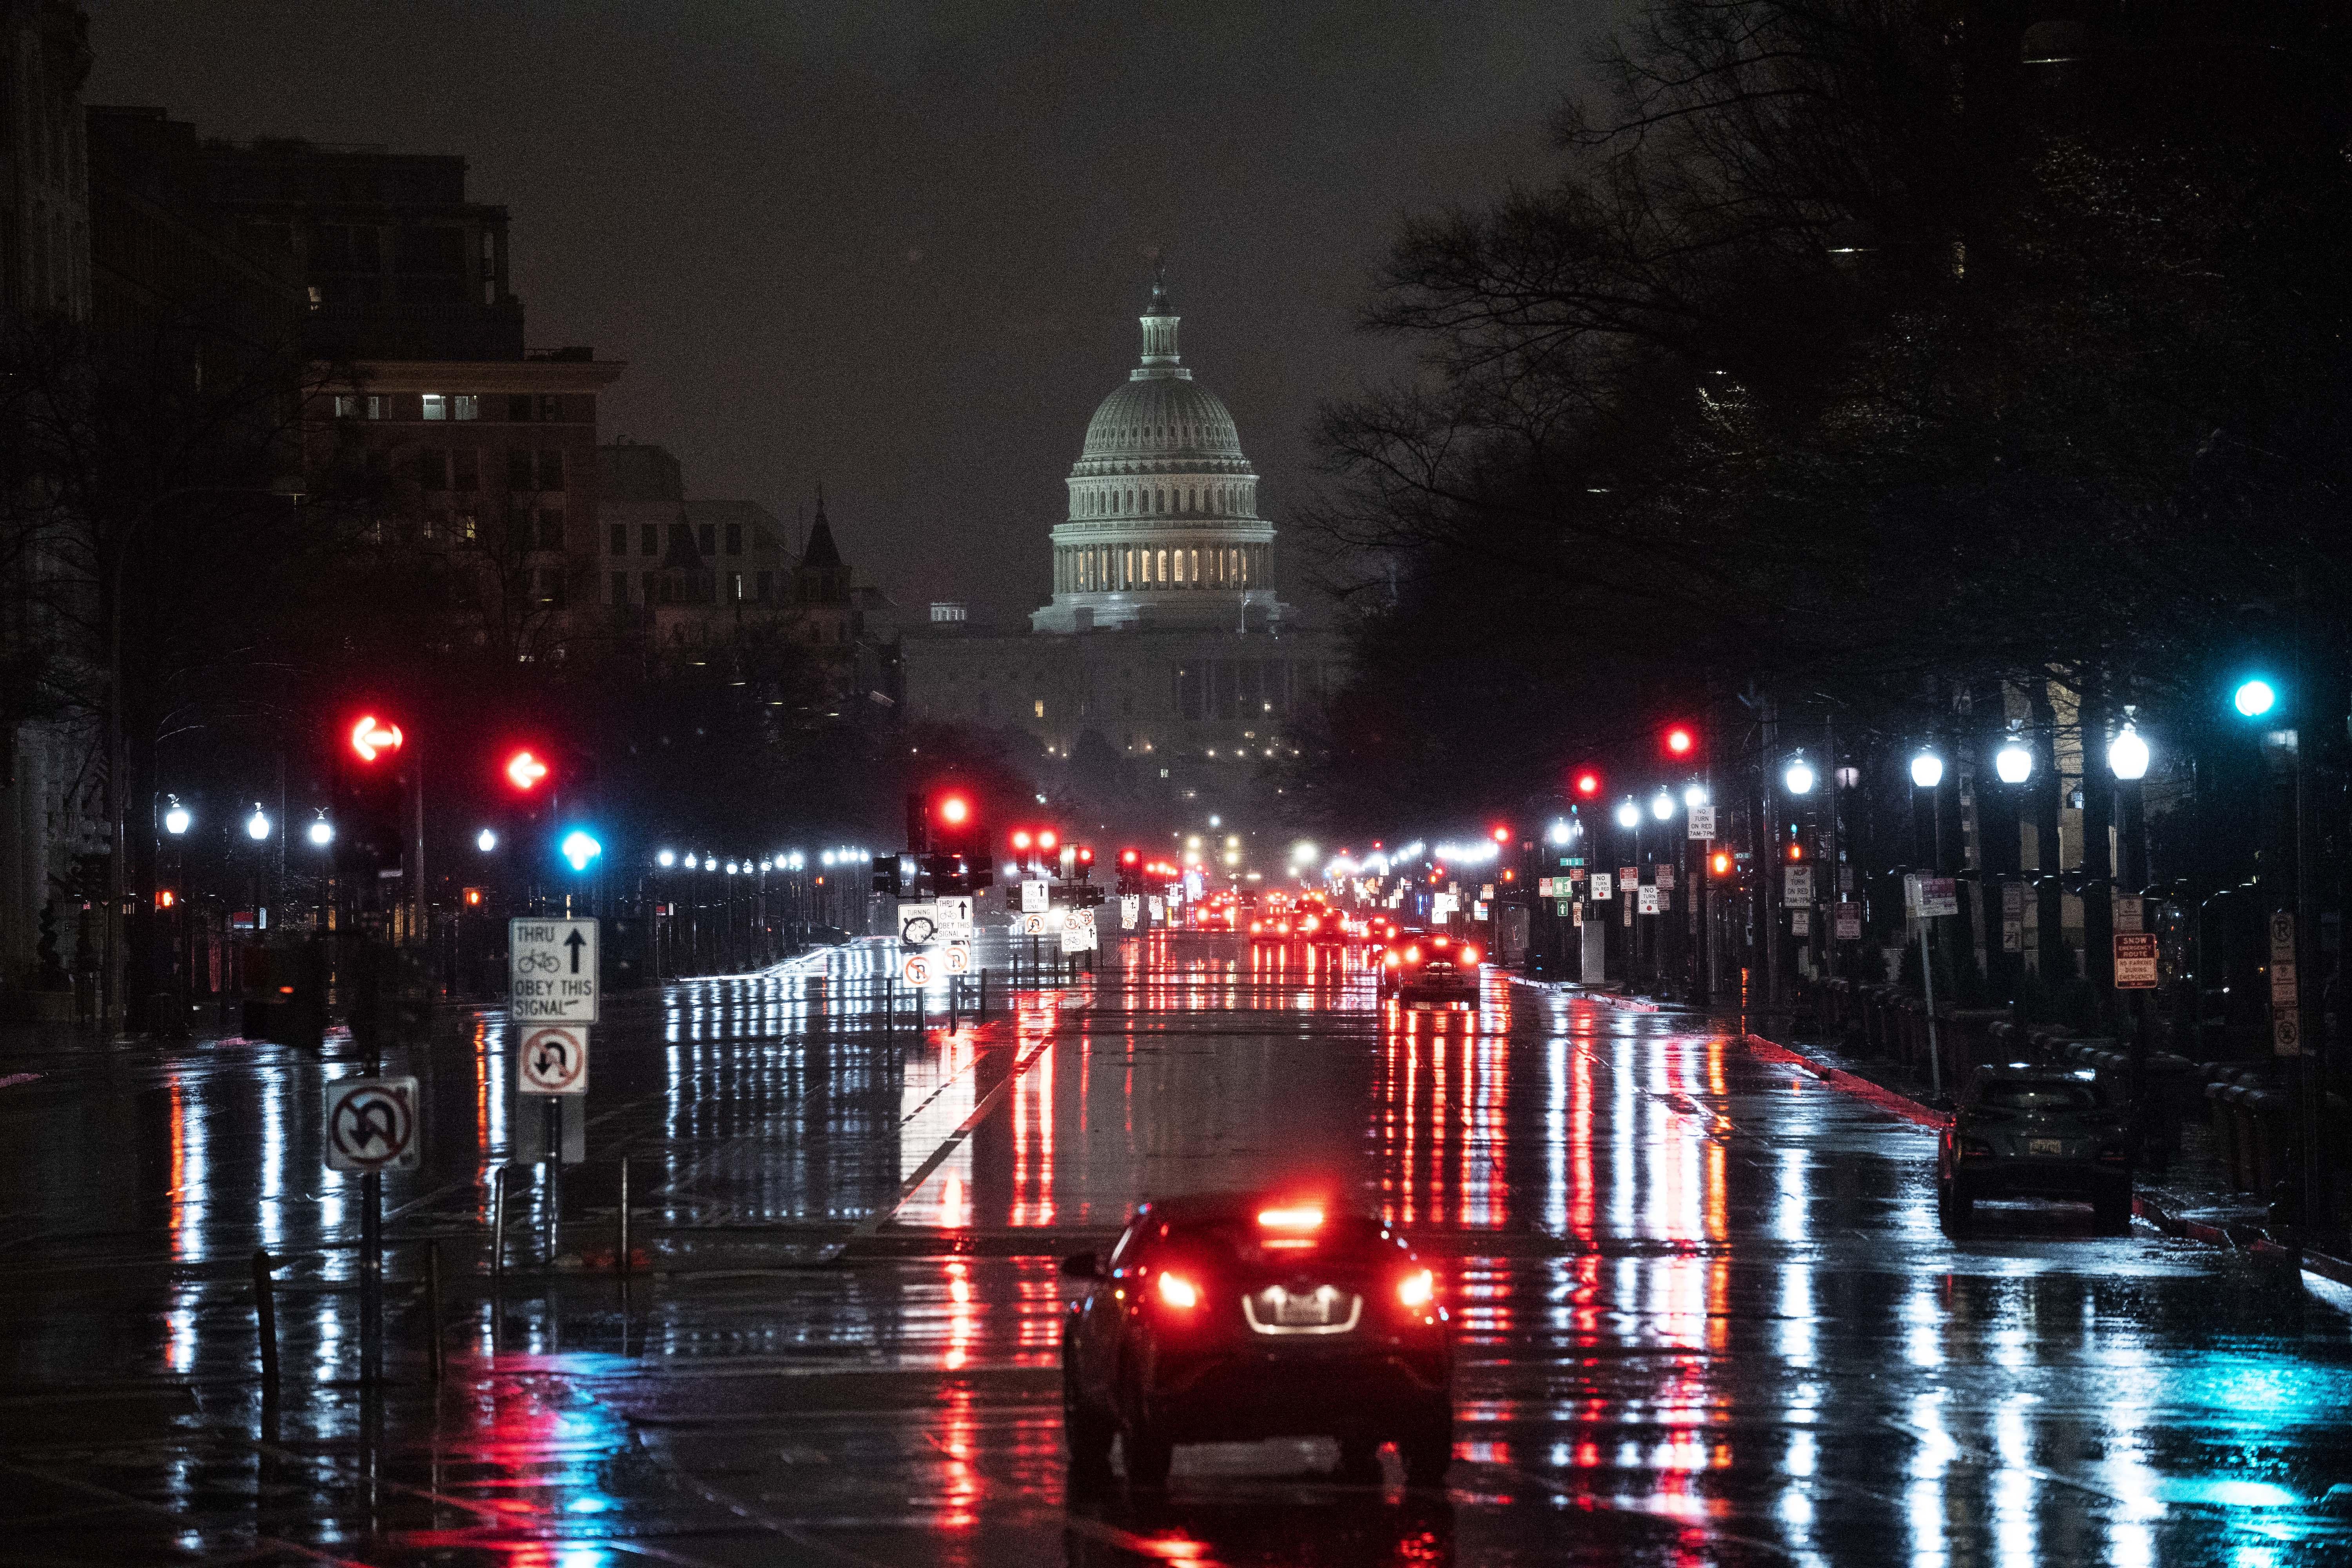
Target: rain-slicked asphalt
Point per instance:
(1705, 1312)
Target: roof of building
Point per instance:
(822, 552)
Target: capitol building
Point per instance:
(1165, 637)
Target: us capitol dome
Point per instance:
(1163, 531)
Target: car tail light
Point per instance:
(1469, 956)
(1178, 1292)
(1393, 960)
(1975, 1148)
(1416, 1288)
(1413, 955)
(2114, 1156)
(1256, 926)
(1440, 942)
(1301, 1216)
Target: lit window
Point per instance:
(318, 296)
(347, 406)
(465, 405)
(436, 405)
(1040, 707)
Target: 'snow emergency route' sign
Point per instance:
(553, 965)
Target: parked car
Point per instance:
(2023, 1130)
(1231, 1317)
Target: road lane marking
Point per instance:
(938, 1156)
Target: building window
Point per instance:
(767, 585)
(433, 468)
(519, 469)
(620, 587)
(551, 467)
(465, 405)
(466, 526)
(707, 536)
(347, 406)
(551, 409)
(1039, 707)
(735, 587)
(466, 469)
(620, 538)
(436, 405)
(649, 539)
(519, 408)
(551, 530)
(734, 539)
(548, 587)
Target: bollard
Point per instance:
(979, 1013)
(264, 1321)
(497, 1227)
(889, 1005)
(433, 1348)
(620, 1248)
(955, 990)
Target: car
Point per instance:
(1230, 1317)
(2032, 1130)
(1430, 969)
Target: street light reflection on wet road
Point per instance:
(1704, 1312)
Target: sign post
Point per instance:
(1930, 896)
(371, 1128)
(553, 974)
(2286, 1018)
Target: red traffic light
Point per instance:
(525, 771)
(954, 810)
(1796, 851)
(1502, 836)
(1046, 840)
(1720, 862)
(1128, 856)
(1021, 838)
(1587, 784)
(373, 737)
(1680, 742)
(1085, 855)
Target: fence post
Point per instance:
(621, 1251)
(433, 1348)
(497, 1227)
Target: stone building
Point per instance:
(1166, 640)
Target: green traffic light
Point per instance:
(2254, 698)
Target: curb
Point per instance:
(2143, 1206)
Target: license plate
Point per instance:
(2045, 1148)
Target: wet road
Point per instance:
(1705, 1312)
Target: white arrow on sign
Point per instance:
(554, 1060)
(371, 1125)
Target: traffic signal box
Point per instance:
(946, 849)
(372, 831)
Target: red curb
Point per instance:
(1885, 1099)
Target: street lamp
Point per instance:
(1629, 816)
(2127, 755)
(2014, 761)
(1559, 833)
(1926, 769)
(486, 840)
(323, 833)
(1695, 796)
(257, 826)
(1663, 808)
(1799, 776)
(177, 821)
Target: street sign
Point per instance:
(2128, 915)
(1702, 821)
(1664, 877)
(917, 969)
(2012, 917)
(1628, 875)
(1796, 884)
(1158, 906)
(919, 924)
(958, 954)
(1929, 897)
(1130, 910)
(1078, 931)
(2287, 1032)
(2135, 962)
(1849, 922)
(553, 1059)
(552, 963)
(1034, 897)
(1601, 886)
(1801, 922)
(371, 1125)
(1033, 923)
(2284, 985)
(954, 917)
(1645, 900)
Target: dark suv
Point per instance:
(2027, 1130)
(1229, 1317)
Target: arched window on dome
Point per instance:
(1194, 565)
(1160, 573)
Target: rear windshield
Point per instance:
(1245, 1241)
(2008, 1094)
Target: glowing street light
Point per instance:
(2127, 755)
(1799, 776)
(323, 833)
(486, 840)
(1559, 833)
(1663, 808)
(2014, 761)
(257, 826)
(178, 820)
(1695, 796)
(1627, 814)
(1926, 769)
(666, 859)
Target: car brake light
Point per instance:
(1413, 955)
(1441, 942)
(1305, 1216)
(1256, 926)
(1394, 961)
(1469, 956)
(1417, 1287)
(1175, 1291)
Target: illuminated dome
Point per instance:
(1163, 529)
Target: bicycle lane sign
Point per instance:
(552, 964)
(371, 1125)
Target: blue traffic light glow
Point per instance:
(2253, 699)
(579, 848)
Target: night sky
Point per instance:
(898, 247)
